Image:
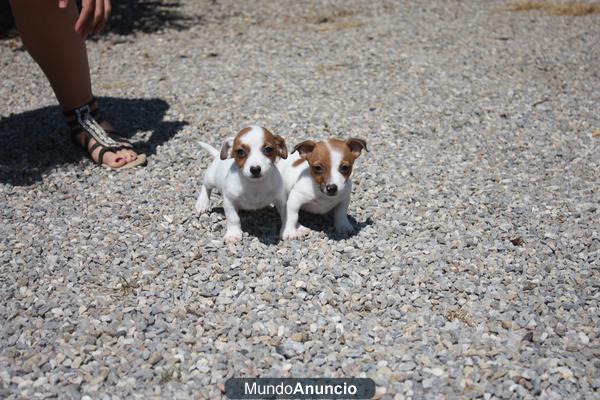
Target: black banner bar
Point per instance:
(300, 388)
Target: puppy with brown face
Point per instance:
(244, 172)
(317, 180)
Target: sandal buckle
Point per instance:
(83, 111)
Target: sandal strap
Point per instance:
(90, 150)
(82, 118)
(114, 135)
(102, 152)
(71, 117)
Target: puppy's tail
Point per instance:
(213, 152)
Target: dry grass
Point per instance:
(331, 68)
(460, 315)
(172, 374)
(126, 286)
(339, 25)
(572, 9)
(323, 22)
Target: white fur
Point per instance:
(336, 177)
(255, 139)
(303, 193)
(239, 189)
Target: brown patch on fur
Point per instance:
(304, 148)
(319, 157)
(237, 144)
(319, 154)
(277, 143)
(357, 146)
(573, 9)
(298, 162)
(348, 156)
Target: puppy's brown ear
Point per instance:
(305, 148)
(282, 148)
(226, 148)
(356, 146)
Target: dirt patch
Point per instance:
(334, 21)
(460, 315)
(572, 9)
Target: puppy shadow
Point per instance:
(324, 223)
(264, 224)
(35, 142)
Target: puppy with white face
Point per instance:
(244, 173)
(317, 180)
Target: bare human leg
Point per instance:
(48, 33)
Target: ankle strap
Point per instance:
(92, 107)
(86, 118)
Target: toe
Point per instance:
(114, 160)
(127, 155)
(132, 155)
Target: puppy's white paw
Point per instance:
(292, 234)
(345, 228)
(233, 237)
(302, 230)
(289, 234)
(202, 204)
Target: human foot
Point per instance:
(100, 140)
(113, 159)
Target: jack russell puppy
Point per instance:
(317, 180)
(244, 172)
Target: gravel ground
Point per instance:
(475, 272)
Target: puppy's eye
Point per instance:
(318, 169)
(344, 169)
(240, 153)
(268, 150)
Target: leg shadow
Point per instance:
(35, 142)
(263, 224)
(324, 223)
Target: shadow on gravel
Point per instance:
(324, 223)
(35, 142)
(265, 224)
(147, 16)
(127, 17)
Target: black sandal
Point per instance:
(85, 120)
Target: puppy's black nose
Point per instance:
(331, 189)
(255, 171)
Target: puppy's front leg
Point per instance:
(203, 202)
(290, 228)
(280, 206)
(234, 227)
(340, 217)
